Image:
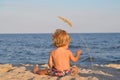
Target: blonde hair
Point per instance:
(60, 38)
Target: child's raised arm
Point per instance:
(75, 58)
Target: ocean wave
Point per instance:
(76, 46)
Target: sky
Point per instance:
(41, 16)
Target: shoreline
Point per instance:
(25, 72)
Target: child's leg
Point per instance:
(43, 72)
(74, 71)
(40, 72)
(36, 69)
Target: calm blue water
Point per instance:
(34, 48)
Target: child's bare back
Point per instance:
(61, 59)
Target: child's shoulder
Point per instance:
(69, 51)
(52, 51)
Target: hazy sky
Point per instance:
(40, 16)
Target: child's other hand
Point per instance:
(78, 52)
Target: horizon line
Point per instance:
(51, 32)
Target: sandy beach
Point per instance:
(25, 72)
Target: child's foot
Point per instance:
(36, 69)
(74, 71)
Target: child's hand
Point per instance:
(78, 52)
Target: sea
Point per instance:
(97, 48)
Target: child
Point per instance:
(59, 58)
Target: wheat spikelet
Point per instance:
(65, 20)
